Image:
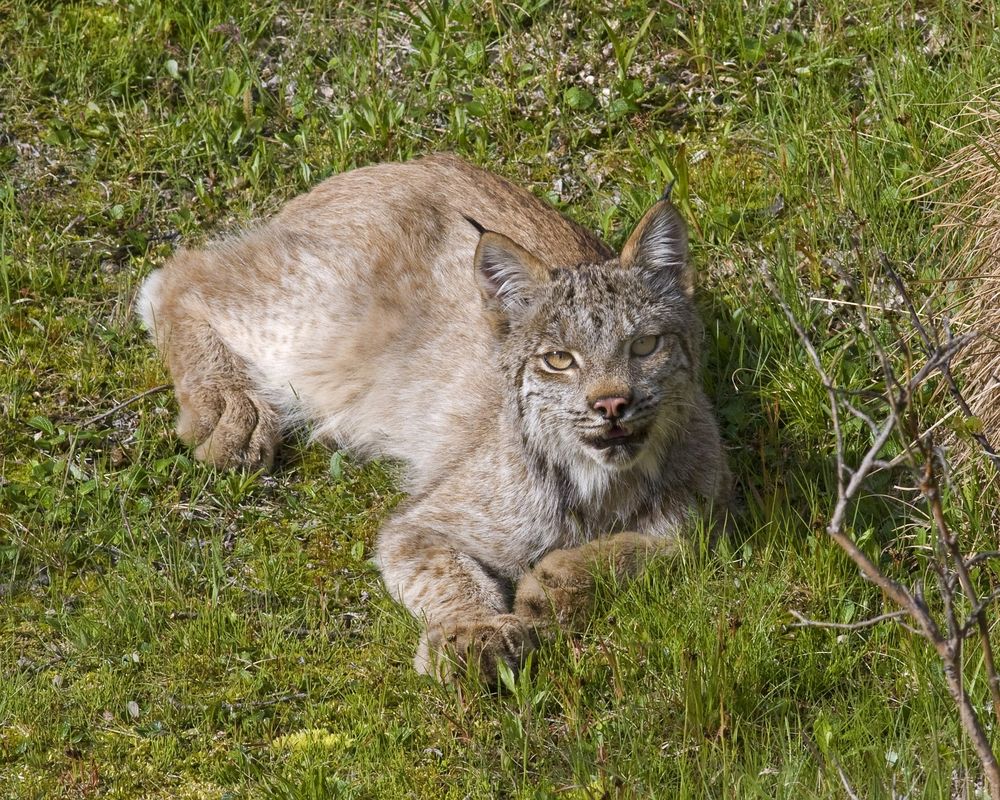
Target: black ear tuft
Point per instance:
(507, 273)
(659, 245)
(474, 224)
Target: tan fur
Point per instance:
(374, 309)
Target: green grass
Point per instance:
(171, 632)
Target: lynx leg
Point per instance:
(221, 415)
(465, 606)
(560, 588)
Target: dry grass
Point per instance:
(969, 186)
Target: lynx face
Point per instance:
(606, 362)
(601, 357)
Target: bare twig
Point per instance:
(973, 618)
(931, 490)
(925, 337)
(257, 705)
(978, 558)
(818, 366)
(115, 409)
(949, 564)
(804, 622)
(846, 783)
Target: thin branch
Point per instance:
(115, 409)
(929, 486)
(950, 566)
(804, 622)
(256, 705)
(818, 366)
(979, 558)
(845, 783)
(956, 393)
(859, 414)
(976, 611)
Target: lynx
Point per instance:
(542, 394)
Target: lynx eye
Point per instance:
(644, 346)
(558, 360)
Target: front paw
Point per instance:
(455, 649)
(559, 591)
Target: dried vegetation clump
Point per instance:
(970, 195)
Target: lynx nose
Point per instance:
(611, 407)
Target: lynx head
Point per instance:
(601, 359)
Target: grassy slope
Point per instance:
(166, 631)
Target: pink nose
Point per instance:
(611, 407)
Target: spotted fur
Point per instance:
(406, 311)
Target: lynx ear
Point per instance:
(659, 246)
(507, 273)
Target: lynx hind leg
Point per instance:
(465, 607)
(559, 590)
(221, 415)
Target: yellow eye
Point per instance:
(558, 360)
(644, 345)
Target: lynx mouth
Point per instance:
(618, 436)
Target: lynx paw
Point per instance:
(558, 591)
(560, 588)
(451, 651)
(233, 429)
